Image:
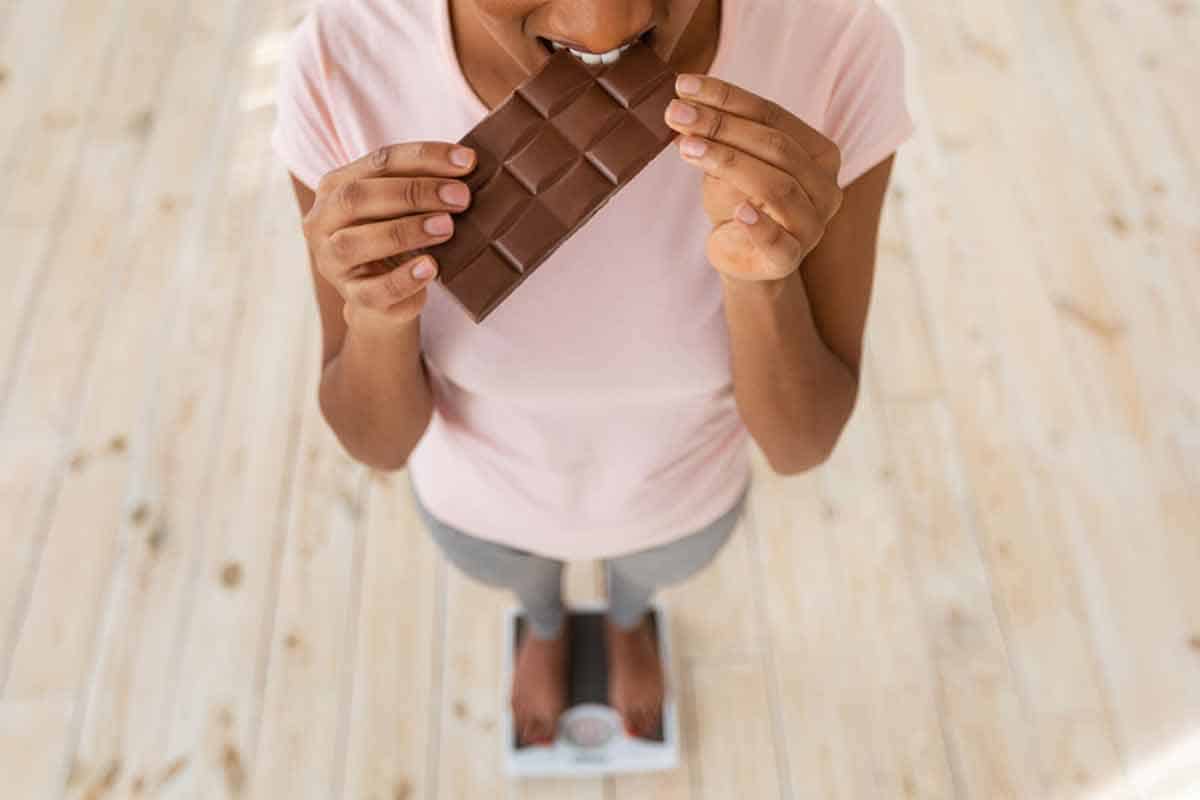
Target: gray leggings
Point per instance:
(537, 581)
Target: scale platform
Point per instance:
(591, 738)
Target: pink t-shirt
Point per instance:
(592, 414)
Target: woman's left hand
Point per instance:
(770, 180)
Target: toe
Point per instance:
(643, 722)
(649, 722)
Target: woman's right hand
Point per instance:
(389, 202)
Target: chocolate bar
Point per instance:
(547, 159)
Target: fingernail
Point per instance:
(747, 213)
(693, 147)
(423, 269)
(461, 156)
(454, 194)
(438, 225)
(682, 113)
(687, 84)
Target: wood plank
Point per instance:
(469, 762)
(39, 397)
(1079, 740)
(51, 658)
(138, 652)
(889, 700)
(1024, 398)
(1156, 189)
(393, 700)
(33, 31)
(805, 614)
(1158, 330)
(1153, 182)
(978, 691)
(47, 113)
(300, 748)
(218, 692)
(732, 752)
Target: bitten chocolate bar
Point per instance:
(548, 157)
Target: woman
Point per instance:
(604, 409)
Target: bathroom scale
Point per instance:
(591, 739)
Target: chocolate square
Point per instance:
(577, 193)
(483, 283)
(590, 116)
(624, 151)
(651, 111)
(495, 206)
(463, 245)
(633, 75)
(486, 165)
(509, 126)
(542, 160)
(531, 238)
(556, 85)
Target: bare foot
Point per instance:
(635, 677)
(539, 687)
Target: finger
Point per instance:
(405, 159)
(366, 199)
(727, 97)
(778, 193)
(769, 145)
(776, 243)
(362, 244)
(385, 291)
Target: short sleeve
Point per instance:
(868, 114)
(305, 137)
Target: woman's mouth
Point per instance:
(595, 58)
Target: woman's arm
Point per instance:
(374, 391)
(797, 341)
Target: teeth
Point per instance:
(594, 58)
(600, 58)
(590, 58)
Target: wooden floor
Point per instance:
(991, 591)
